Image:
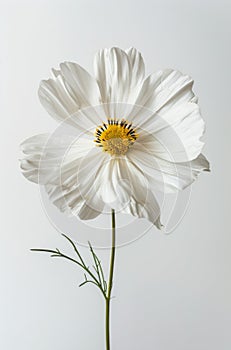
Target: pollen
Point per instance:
(115, 137)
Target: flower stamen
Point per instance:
(116, 137)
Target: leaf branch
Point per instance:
(97, 279)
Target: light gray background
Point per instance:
(171, 292)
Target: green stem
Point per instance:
(110, 281)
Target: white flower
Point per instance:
(133, 135)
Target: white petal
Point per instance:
(174, 136)
(91, 208)
(161, 91)
(71, 88)
(111, 182)
(148, 211)
(83, 86)
(49, 157)
(57, 162)
(55, 97)
(167, 176)
(67, 200)
(33, 149)
(125, 188)
(199, 164)
(165, 87)
(137, 68)
(72, 202)
(113, 72)
(143, 203)
(89, 181)
(106, 181)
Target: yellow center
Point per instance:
(116, 137)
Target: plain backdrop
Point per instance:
(170, 292)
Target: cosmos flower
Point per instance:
(131, 137)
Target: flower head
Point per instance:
(133, 135)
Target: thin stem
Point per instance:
(96, 261)
(110, 281)
(75, 249)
